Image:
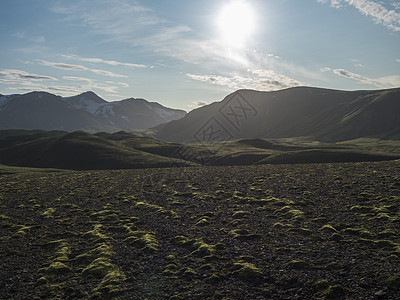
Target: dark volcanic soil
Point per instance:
(327, 231)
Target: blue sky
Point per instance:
(185, 53)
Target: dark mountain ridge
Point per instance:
(87, 112)
(321, 114)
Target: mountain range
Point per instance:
(87, 111)
(319, 114)
(301, 112)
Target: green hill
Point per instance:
(77, 150)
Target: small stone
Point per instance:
(380, 295)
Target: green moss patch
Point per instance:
(335, 292)
(48, 213)
(358, 232)
(103, 250)
(247, 272)
(106, 215)
(204, 221)
(57, 268)
(143, 240)
(96, 235)
(328, 229)
(299, 265)
(361, 209)
(141, 205)
(99, 268)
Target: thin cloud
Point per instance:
(18, 80)
(120, 20)
(75, 78)
(108, 62)
(123, 84)
(18, 74)
(139, 27)
(326, 69)
(373, 9)
(107, 73)
(90, 84)
(65, 66)
(62, 66)
(265, 80)
(381, 82)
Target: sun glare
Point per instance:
(236, 23)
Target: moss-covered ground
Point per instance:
(312, 231)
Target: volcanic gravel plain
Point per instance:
(301, 231)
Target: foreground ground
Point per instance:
(252, 232)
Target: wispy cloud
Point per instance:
(107, 73)
(333, 3)
(75, 78)
(121, 20)
(37, 39)
(379, 13)
(139, 27)
(18, 74)
(103, 61)
(87, 84)
(398, 60)
(265, 80)
(64, 66)
(123, 84)
(380, 82)
(18, 80)
(326, 69)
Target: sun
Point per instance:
(236, 23)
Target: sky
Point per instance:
(187, 53)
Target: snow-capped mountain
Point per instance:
(87, 111)
(126, 114)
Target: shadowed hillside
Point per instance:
(121, 150)
(77, 150)
(321, 114)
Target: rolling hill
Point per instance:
(321, 114)
(77, 150)
(122, 150)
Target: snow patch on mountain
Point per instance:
(85, 104)
(105, 110)
(162, 111)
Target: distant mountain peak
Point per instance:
(86, 111)
(90, 96)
